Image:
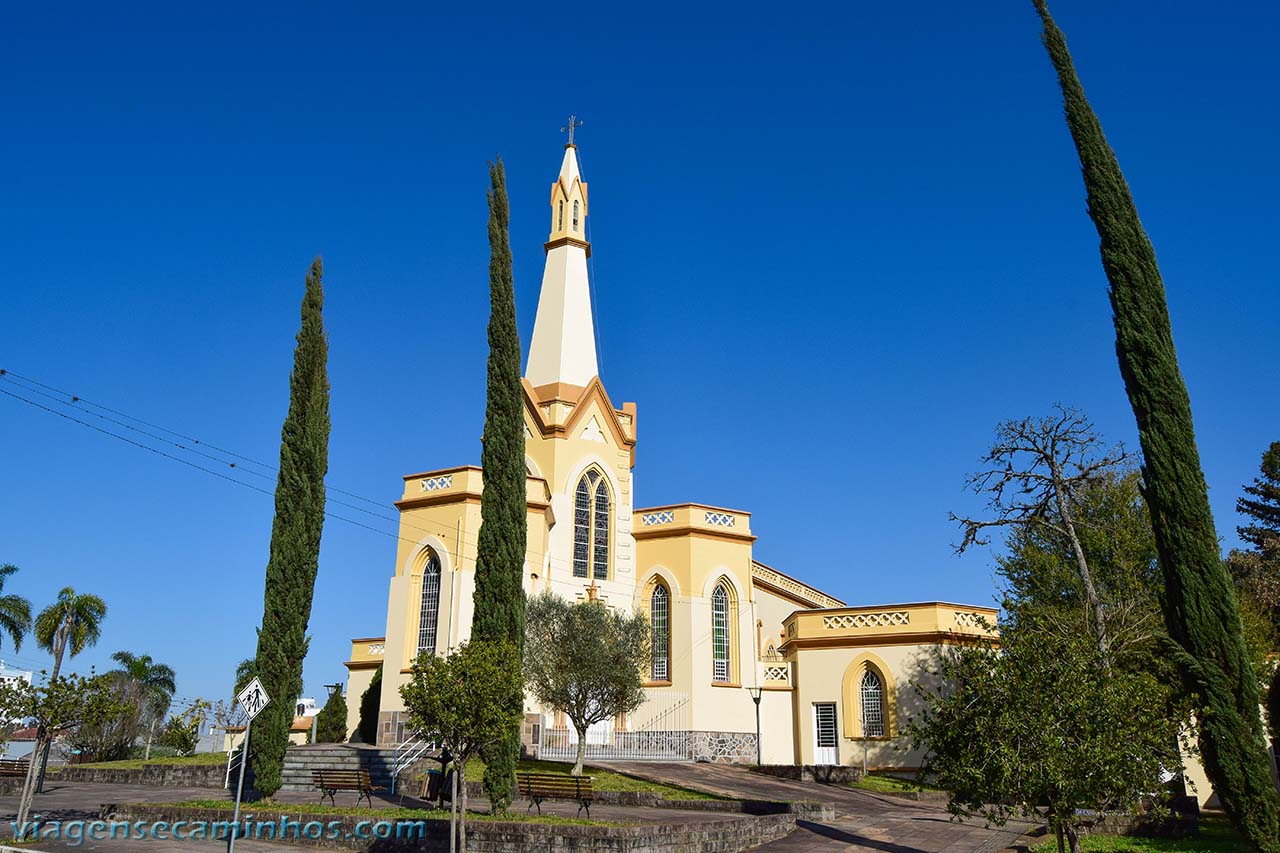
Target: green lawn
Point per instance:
(199, 759)
(883, 783)
(263, 809)
(601, 780)
(1216, 836)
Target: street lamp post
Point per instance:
(756, 693)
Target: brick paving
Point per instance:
(864, 821)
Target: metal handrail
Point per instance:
(408, 752)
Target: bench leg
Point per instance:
(329, 793)
(584, 804)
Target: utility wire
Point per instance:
(73, 400)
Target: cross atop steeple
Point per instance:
(574, 121)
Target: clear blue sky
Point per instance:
(833, 247)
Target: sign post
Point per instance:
(253, 699)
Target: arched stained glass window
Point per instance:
(575, 214)
(581, 529)
(872, 695)
(659, 620)
(591, 515)
(600, 564)
(720, 633)
(560, 217)
(429, 615)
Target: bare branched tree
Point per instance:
(1032, 476)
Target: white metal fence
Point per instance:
(656, 731)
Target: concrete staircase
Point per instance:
(299, 761)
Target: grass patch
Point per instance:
(601, 780)
(1216, 836)
(265, 809)
(883, 783)
(200, 759)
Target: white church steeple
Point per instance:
(563, 348)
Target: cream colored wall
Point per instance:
(777, 727)
(819, 676)
(771, 610)
(358, 681)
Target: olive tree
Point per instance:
(584, 659)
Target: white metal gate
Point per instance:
(656, 731)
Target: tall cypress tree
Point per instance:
(295, 539)
(1199, 602)
(499, 591)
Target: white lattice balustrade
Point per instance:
(885, 619)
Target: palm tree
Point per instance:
(150, 686)
(74, 620)
(15, 611)
(152, 683)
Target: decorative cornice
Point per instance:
(790, 587)
(567, 241)
(667, 531)
(946, 638)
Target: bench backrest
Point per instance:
(553, 785)
(341, 778)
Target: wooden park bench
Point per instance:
(11, 767)
(331, 782)
(555, 786)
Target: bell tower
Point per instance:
(563, 349)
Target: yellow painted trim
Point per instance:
(362, 664)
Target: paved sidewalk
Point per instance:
(864, 821)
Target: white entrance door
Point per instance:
(824, 733)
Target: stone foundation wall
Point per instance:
(723, 747)
(392, 728)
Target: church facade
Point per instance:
(746, 660)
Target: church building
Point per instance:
(747, 660)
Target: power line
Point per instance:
(73, 400)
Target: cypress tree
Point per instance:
(499, 590)
(295, 539)
(1199, 602)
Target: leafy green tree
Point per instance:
(500, 551)
(1199, 601)
(63, 703)
(331, 723)
(370, 705)
(71, 623)
(149, 687)
(1256, 572)
(15, 611)
(585, 660)
(464, 702)
(111, 738)
(295, 539)
(1042, 728)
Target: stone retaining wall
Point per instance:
(725, 835)
(826, 773)
(167, 775)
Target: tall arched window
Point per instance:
(720, 633)
(591, 527)
(560, 217)
(872, 696)
(660, 624)
(429, 616)
(575, 214)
